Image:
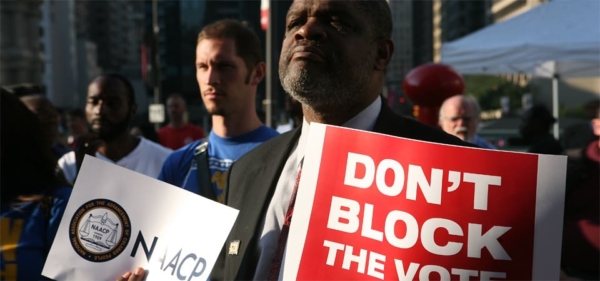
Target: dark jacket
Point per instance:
(252, 180)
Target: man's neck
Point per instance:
(177, 124)
(119, 147)
(235, 124)
(334, 116)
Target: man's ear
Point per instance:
(385, 50)
(258, 73)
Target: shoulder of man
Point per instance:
(183, 156)
(150, 145)
(270, 132)
(274, 144)
(177, 164)
(416, 130)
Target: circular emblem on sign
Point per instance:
(100, 230)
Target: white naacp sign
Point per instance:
(117, 220)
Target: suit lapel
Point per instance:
(252, 195)
(265, 172)
(388, 122)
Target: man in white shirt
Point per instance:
(110, 108)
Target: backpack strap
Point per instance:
(201, 158)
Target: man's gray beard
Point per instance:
(468, 136)
(333, 90)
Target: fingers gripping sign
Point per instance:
(136, 275)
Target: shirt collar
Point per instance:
(364, 120)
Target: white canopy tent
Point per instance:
(559, 39)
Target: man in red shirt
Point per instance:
(178, 132)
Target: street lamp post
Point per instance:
(268, 104)
(156, 57)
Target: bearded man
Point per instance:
(459, 116)
(110, 108)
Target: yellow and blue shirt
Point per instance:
(26, 233)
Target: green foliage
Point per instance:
(477, 85)
(490, 89)
(574, 111)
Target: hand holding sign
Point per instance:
(108, 229)
(137, 275)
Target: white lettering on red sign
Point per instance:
(343, 216)
(431, 188)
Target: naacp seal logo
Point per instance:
(99, 230)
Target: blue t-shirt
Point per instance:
(180, 170)
(26, 234)
(482, 143)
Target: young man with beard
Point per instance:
(333, 61)
(110, 108)
(459, 116)
(229, 67)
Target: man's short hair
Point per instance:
(126, 83)
(247, 44)
(379, 15)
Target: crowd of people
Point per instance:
(332, 64)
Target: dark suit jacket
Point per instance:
(252, 180)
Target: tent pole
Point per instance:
(555, 104)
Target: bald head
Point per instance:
(459, 116)
(176, 108)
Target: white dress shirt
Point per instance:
(273, 221)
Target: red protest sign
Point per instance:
(387, 208)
